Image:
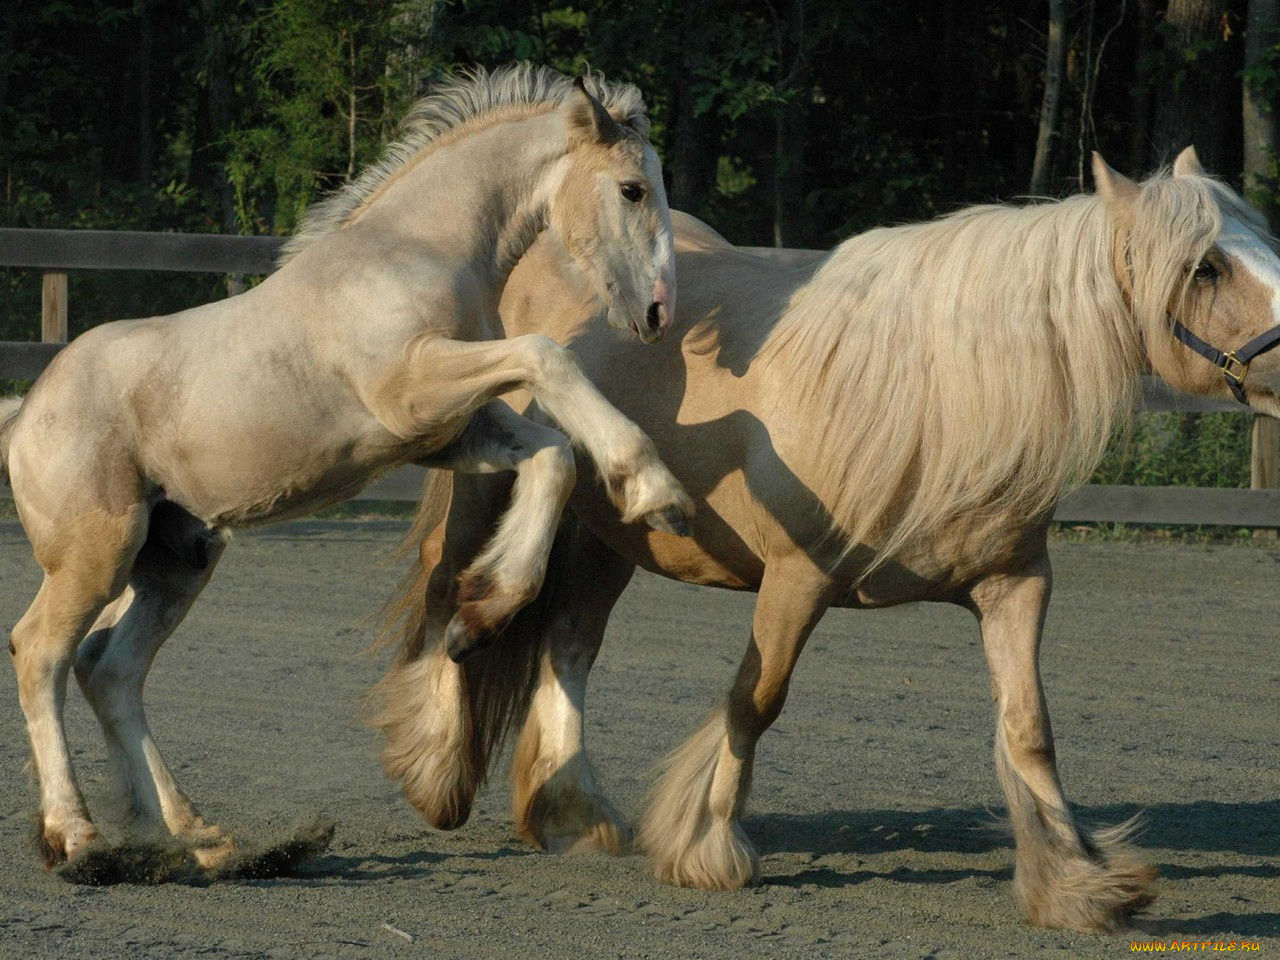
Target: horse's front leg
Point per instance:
(691, 829)
(1063, 877)
(509, 570)
(438, 380)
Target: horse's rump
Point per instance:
(9, 407)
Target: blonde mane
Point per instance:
(455, 105)
(982, 362)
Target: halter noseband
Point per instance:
(1234, 363)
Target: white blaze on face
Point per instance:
(664, 255)
(1242, 243)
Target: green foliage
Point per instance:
(236, 114)
(331, 90)
(1181, 450)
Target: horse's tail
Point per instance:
(444, 723)
(9, 407)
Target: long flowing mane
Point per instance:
(983, 361)
(459, 103)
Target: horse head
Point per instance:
(1202, 275)
(610, 209)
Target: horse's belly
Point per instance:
(265, 478)
(945, 567)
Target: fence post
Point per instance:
(53, 308)
(1265, 461)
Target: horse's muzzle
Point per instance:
(656, 321)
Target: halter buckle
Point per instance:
(1235, 376)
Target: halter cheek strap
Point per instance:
(1234, 363)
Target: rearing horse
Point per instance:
(891, 425)
(377, 343)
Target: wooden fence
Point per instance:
(54, 252)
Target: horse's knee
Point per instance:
(557, 463)
(549, 360)
(25, 640)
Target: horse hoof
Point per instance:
(671, 520)
(462, 641)
(57, 846)
(214, 856)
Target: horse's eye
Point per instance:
(1205, 272)
(632, 192)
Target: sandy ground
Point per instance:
(872, 797)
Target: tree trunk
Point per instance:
(1140, 85)
(790, 122)
(415, 27)
(1261, 131)
(1195, 99)
(142, 96)
(214, 112)
(788, 176)
(693, 157)
(352, 110)
(1055, 66)
(8, 28)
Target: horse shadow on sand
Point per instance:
(1164, 830)
(1250, 829)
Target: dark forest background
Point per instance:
(788, 122)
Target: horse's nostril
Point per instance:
(654, 315)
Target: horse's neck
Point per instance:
(478, 202)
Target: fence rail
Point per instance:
(56, 251)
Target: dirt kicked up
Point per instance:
(874, 802)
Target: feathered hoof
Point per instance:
(721, 858)
(447, 809)
(1091, 896)
(562, 818)
(612, 837)
(57, 845)
(437, 783)
(425, 719)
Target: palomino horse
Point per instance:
(377, 343)
(892, 425)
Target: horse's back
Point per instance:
(225, 415)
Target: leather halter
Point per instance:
(1233, 363)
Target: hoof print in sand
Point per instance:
(136, 862)
(307, 840)
(148, 863)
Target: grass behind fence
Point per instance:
(1180, 450)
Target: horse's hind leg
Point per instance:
(111, 666)
(1063, 877)
(555, 800)
(85, 568)
(691, 828)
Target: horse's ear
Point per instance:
(1188, 164)
(1116, 190)
(589, 119)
